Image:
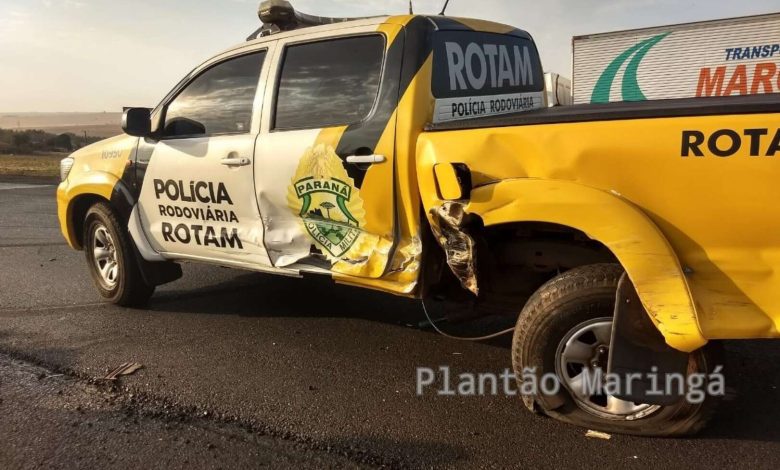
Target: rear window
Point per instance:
(484, 74)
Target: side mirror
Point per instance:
(137, 122)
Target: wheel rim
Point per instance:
(104, 255)
(585, 348)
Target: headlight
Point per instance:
(65, 166)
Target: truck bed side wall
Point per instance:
(715, 203)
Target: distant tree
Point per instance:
(21, 142)
(63, 142)
(34, 140)
(21, 139)
(6, 136)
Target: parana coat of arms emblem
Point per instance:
(325, 198)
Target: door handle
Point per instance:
(235, 161)
(366, 159)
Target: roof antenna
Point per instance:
(444, 8)
(411, 10)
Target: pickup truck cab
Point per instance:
(414, 155)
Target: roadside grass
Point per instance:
(44, 165)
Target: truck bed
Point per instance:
(705, 171)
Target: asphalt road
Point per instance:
(262, 370)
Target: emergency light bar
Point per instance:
(279, 15)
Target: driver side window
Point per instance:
(218, 102)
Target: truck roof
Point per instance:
(279, 16)
(437, 22)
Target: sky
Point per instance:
(101, 55)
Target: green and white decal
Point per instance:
(630, 89)
(729, 57)
(329, 205)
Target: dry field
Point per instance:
(95, 124)
(47, 165)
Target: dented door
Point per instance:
(324, 170)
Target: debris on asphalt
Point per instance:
(86, 426)
(598, 435)
(125, 369)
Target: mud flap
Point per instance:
(154, 269)
(639, 352)
(156, 273)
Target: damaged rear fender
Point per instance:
(633, 238)
(449, 228)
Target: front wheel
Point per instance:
(565, 330)
(111, 259)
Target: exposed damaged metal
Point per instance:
(447, 223)
(407, 257)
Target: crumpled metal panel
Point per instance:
(447, 225)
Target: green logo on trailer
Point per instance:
(630, 89)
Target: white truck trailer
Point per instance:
(728, 57)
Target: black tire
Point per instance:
(126, 286)
(568, 301)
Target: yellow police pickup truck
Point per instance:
(415, 155)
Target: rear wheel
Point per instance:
(111, 259)
(565, 329)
